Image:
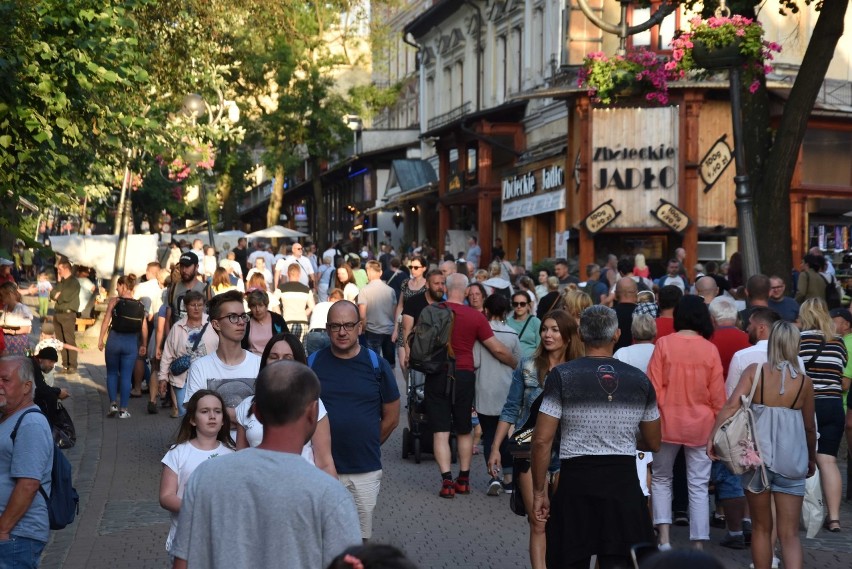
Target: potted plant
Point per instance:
(721, 42)
(612, 78)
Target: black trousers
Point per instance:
(65, 325)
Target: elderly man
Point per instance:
(25, 466)
(727, 338)
(448, 268)
(608, 411)
(707, 288)
(231, 518)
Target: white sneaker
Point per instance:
(494, 487)
(665, 547)
(124, 415)
(113, 409)
(776, 563)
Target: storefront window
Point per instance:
(825, 158)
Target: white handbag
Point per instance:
(734, 442)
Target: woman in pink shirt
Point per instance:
(686, 371)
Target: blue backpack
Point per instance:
(64, 502)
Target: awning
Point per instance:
(409, 176)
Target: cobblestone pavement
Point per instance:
(117, 470)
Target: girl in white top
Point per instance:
(317, 451)
(204, 434)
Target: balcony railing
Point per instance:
(448, 117)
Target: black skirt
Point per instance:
(598, 509)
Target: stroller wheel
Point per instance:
(406, 442)
(417, 450)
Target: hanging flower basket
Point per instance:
(721, 57)
(610, 79)
(722, 42)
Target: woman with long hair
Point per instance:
(220, 282)
(16, 320)
(344, 279)
(128, 337)
(575, 302)
(785, 433)
(317, 451)
(415, 284)
(686, 371)
(560, 342)
(493, 379)
(825, 357)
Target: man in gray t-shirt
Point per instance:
(377, 304)
(267, 506)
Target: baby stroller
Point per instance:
(417, 436)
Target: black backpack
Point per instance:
(127, 315)
(832, 295)
(63, 504)
(429, 342)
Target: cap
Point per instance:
(188, 259)
(841, 313)
(6, 263)
(48, 353)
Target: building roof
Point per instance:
(439, 12)
(410, 175)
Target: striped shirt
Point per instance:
(826, 371)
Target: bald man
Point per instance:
(706, 288)
(626, 297)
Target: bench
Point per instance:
(83, 323)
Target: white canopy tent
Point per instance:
(277, 231)
(98, 251)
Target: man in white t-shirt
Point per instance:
(306, 275)
(760, 323)
(230, 370)
(150, 294)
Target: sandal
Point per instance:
(828, 523)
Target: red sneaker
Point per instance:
(447, 489)
(462, 485)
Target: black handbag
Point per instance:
(64, 434)
(181, 364)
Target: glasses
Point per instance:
(412, 267)
(779, 287)
(517, 304)
(235, 318)
(337, 327)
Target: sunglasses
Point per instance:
(517, 304)
(415, 267)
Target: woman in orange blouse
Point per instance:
(686, 371)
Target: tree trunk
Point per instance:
(321, 231)
(772, 201)
(277, 197)
(224, 188)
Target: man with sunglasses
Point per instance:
(360, 393)
(230, 362)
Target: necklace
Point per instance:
(608, 380)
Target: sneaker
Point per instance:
(776, 563)
(681, 519)
(152, 408)
(665, 547)
(507, 487)
(494, 487)
(124, 415)
(733, 541)
(462, 485)
(448, 489)
(113, 409)
(717, 522)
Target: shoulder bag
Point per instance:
(734, 442)
(181, 364)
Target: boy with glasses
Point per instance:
(230, 363)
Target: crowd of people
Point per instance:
(596, 400)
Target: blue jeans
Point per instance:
(180, 393)
(316, 340)
(20, 553)
(120, 355)
(382, 345)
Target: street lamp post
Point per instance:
(195, 107)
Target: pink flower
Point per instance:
(749, 458)
(755, 85)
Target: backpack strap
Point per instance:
(374, 359)
(14, 435)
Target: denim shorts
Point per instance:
(728, 484)
(752, 482)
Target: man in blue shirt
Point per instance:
(25, 465)
(360, 393)
(779, 302)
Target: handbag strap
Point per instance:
(200, 335)
(757, 377)
(817, 353)
(521, 335)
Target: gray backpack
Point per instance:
(429, 342)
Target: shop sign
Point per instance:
(634, 161)
(715, 162)
(534, 192)
(601, 216)
(669, 215)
